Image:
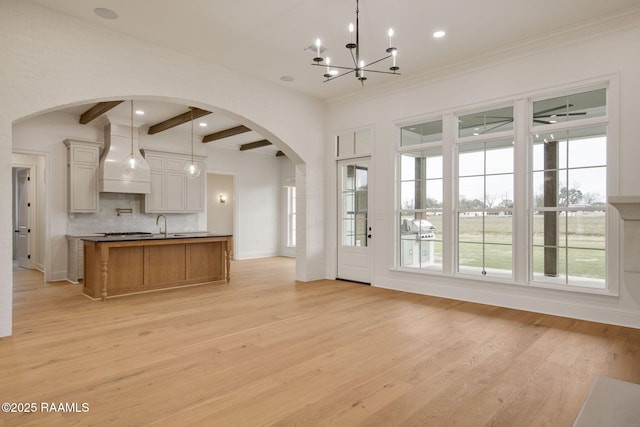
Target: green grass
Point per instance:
(581, 238)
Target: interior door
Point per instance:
(354, 228)
(24, 218)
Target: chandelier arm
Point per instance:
(337, 66)
(340, 75)
(375, 62)
(381, 72)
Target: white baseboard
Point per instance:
(254, 255)
(594, 308)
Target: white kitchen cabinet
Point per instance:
(172, 191)
(156, 200)
(195, 192)
(82, 178)
(176, 190)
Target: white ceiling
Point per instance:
(267, 39)
(156, 112)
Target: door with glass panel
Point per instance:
(354, 228)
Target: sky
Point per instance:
(581, 160)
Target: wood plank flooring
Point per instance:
(266, 350)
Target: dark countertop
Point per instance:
(160, 236)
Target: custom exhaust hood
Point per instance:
(120, 140)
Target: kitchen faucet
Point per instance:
(165, 224)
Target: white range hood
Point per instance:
(114, 176)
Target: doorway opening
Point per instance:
(23, 210)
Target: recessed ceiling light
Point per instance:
(105, 13)
(140, 112)
(203, 125)
(287, 78)
(439, 34)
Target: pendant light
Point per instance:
(131, 162)
(192, 169)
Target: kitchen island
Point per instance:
(121, 265)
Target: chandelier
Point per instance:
(359, 66)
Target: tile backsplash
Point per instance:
(107, 219)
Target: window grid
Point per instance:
(569, 255)
(479, 217)
(580, 111)
(421, 197)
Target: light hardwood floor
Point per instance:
(265, 350)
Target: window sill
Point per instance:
(604, 292)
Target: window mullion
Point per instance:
(521, 197)
(450, 204)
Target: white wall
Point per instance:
(220, 215)
(257, 179)
(50, 60)
(593, 53)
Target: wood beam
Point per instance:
(177, 120)
(280, 154)
(252, 145)
(225, 133)
(97, 110)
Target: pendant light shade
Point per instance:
(192, 169)
(132, 161)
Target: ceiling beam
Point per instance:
(225, 133)
(178, 120)
(97, 110)
(252, 145)
(280, 154)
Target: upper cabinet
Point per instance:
(82, 164)
(172, 189)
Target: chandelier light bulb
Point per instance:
(390, 36)
(328, 73)
(351, 44)
(362, 77)
(318, 59)
(394, 67)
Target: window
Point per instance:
(569, 176)
(355, 199)
(291, 216)
(487, 122)
(485, 208)
(458, 175)
(421, 196)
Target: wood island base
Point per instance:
(114, 268)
